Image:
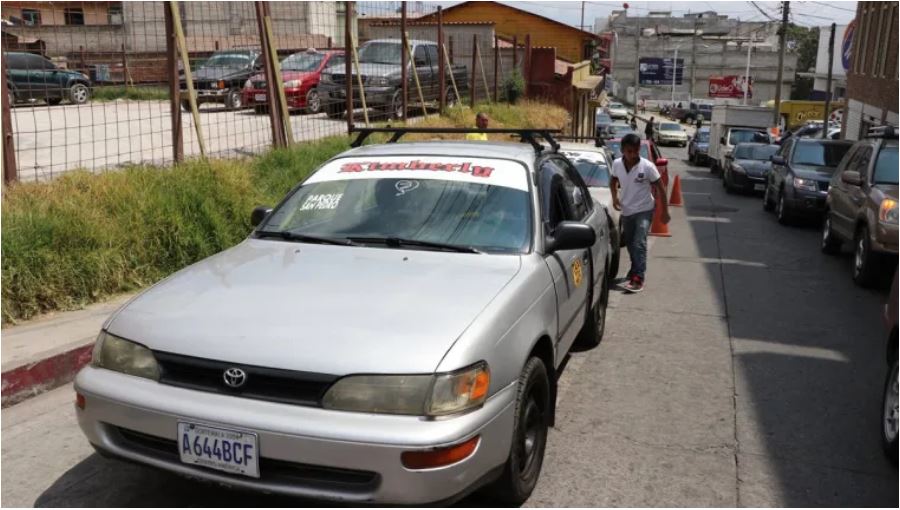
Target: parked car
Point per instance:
(602, 123)
(221, 77)
(31, 77)
(649, 151)
(669, 133)
(801, 171)
(617, 130)
(889, 397)
(748, 166)
(698, 147)
(617, 110)
(811, 129)
(595, 167)
(697, 110)
(861, 207)
(307, 360)
(300, 74)
(380, 66)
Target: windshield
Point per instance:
(380, 53)
(756, 152)
(819, 154)
(886, 169)
(742, 136)
(616, 105)
(604, 118)
(620, 128)
(465, 204)
(669, 127)
(594, 174)
(228, 60)
(616, 147)
(302, 62)
(703, 137)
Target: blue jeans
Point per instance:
(634, 236)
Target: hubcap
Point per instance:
(860, 254)
(80, 93)
(528, 444)
(313, 101)
(235, 100)
(826, 230)
(890, 407)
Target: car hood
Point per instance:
(818, 173)
(287, 75)
(318, 308)
(888, 190)
(754, 166)
(369, 69)
(218, 73)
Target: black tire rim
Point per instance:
(529, 443)
(313, 101)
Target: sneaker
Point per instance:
(635, 285)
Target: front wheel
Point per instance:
(831, 245)
(79, 93)
(767, 201)
(781, 209)
(396, 105)
(233, 100)
(889, 414)
(865, 264)
(313, 102)
(523, 466)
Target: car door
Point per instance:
(838, 200)
(47, 82)
(568, 268)
(855, 198)
(434, 62)
(423, 69)
(779, 172)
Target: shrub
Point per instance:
(514, 87)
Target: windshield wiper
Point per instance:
(305, 238)
(397, 242)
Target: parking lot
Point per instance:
(748, 373)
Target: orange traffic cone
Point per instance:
(676, 199)
(657, 227)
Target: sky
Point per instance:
(809, 13)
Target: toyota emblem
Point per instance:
(235, 377)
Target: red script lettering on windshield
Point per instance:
(466, 168)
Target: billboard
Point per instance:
(730, 86)
(847, 46)
(658, 71)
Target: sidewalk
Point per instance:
(45, 353)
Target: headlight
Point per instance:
(805, 184)
(738, 169)
(293, 84)
(380, 81)
(419, 395)
(325, 78)
(114, 353)
(221, 84)
(248, 84)
(888, 211)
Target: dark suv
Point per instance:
(801, 171)
(862, 207)
(221, 77)
(32, 77)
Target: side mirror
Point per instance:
(259, 214)
(778, 160)
(571, 235)
(722, 140)
(852, 178)
(662, 162)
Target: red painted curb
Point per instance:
(29, 380)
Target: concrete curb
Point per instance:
(33, 379)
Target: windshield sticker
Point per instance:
(404, 186)
(409, 170)
(320, 202)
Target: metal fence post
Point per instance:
(348, 67)
(527, 70)
(10, 171)
(442, 78)
(174, 89)
(404, 61)
(496, 68)
(450, 51)
(515, 52)
(278, 136)
(472, 91)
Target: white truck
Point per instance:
(731, 125)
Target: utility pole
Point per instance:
(637, 66)
(581, 26)
(828, 88)
(693, 58)
(674, 73)
(747, 72)
(782, 36)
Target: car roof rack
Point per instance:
(529, 135)
(887, 132)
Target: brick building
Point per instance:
(872, 81)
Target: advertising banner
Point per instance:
(658, 71)
(730, 86)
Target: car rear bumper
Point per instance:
(296, 97)
(206, 95)
(304, 451)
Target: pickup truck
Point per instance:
(221, 78)
(380, 67)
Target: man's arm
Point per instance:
(660, 189)
(614, 190)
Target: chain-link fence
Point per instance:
(97, 85)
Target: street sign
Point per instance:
(729, 86)
(658, 71)
(847, 45)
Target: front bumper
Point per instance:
(374, 95)
(304, 452)
(206, 95)
(811, 203)
(296, 97)
(748, 182)
(673, 141)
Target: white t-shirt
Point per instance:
(635, 186)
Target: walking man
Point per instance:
(648, 129)
(635, 184)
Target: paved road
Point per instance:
(54, 139)
(748, 373)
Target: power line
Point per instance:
(764, 13)
(833, 7)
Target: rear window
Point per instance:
(668, 126)
(703, 137)
(819, 154)
(886, 169)
(744, 136)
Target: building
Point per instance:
(54, 14)
(709, 45)
(839, 66)
(872, 80)
(571, 86)
(572, 44)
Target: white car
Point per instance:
(670, 133)
(617, 111)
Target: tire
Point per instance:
(591, 333)
(523, 467)
(186, 106)
(889, 414)
(831, 245)
(782, 213)
(396, 105)
(313, 102)
(53, 101)
(335, 110)
(79, 93)
(767, 202)
(234, 101)
(616, 255)
(865, 263)
(451, 98)
(691, 159)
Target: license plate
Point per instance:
(232, 451)
(759, 187)
(259, 97)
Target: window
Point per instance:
(31, 17)
(114, 14)
(569, 199)
(34, 62)
(886, 166)
(420, 57)
(433, 55)
(74, 16)
(336, 60)
(819, 154)
(861, 162)
(880, 59)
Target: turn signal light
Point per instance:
(439, 457)
(79, 401)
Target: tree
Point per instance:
(805, 42)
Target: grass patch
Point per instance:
(524, 114)
(82, 238)
(139, 93)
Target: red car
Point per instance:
(300, 74)
(649, 151)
